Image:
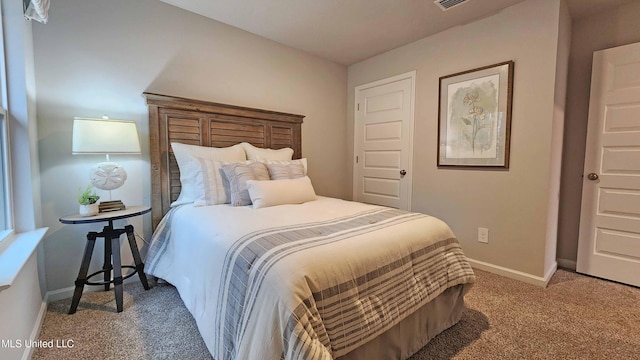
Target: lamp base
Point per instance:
(113, 205)
(108, 176)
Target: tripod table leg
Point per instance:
(82, 274)
(107, 267)
(136, 256)
(117, 271)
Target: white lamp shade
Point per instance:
(95, 136)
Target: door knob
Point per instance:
(403, 173)
(592, 176)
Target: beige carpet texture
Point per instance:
(575, 317)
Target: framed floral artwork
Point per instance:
(474, 123)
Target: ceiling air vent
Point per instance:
(448, 4)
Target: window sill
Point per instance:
(14, 253)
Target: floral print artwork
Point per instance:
(472, 123)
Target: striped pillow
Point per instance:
(302, 161)
(215, 184)
(285, 171)
(237, 174)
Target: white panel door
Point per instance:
(383, 142)
(609, 241)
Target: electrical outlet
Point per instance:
(483, 235)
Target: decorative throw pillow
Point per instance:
(256, 153)
(238, 174)
(280, 192)
(302, 162)
(191, 177)
(215, 183)
(285, 171)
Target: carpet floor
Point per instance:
(575, 317)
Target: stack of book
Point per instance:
(115, 205)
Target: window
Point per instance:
(6, 207)
(5, 195)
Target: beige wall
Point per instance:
(613, 28)
(513, 204)
(96, 58)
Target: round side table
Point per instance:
(112, 260)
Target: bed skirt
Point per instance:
(414, 332)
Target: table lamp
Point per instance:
(106, 136)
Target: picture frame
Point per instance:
(474, 117)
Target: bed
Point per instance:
(325, 279)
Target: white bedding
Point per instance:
(308, 281)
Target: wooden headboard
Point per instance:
(195, 122)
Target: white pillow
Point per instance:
(191, 170)
(256, 153)
(280, 192)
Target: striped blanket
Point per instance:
(316, 289)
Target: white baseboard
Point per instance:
(55, 295)
(28, 351)
(567, 264)
(515, 274)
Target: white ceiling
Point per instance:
(348, 31)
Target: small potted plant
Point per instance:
(88, 201)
